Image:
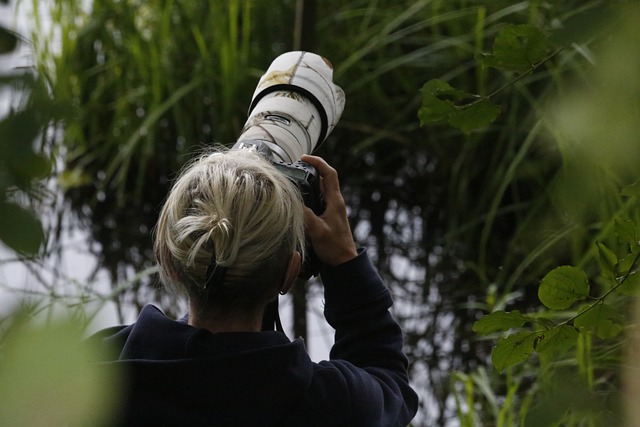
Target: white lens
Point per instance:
(295, 105)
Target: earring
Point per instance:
(282, 292)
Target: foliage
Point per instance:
(570, 350)
(20, 163)
(517, 48)
(46, 378)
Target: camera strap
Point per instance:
(271, 317)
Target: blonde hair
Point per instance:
(236, 203)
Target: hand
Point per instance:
(329, 233)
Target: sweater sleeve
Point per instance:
(368, 344)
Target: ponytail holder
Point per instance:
(215, 273)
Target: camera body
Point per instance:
(294, 108)
(302, 174)
(306, 178)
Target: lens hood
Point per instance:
(309, 75)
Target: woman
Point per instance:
(230, 238)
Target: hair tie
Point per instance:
(215, 273)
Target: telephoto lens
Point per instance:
(294, 107)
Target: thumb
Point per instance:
(313, 224)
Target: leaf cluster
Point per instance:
(577, 330)
(574, 313)
(22, 164)
(518, 50)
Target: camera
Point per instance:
(294, 108)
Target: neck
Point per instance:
(226, 322)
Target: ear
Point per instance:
(293, 270)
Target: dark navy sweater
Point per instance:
(179, 375)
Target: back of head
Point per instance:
(232, 208)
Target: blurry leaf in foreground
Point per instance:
(630, 374)
(21, 163)
(17, 155)
(598, 122)
(20, 229)
(47, 379)
(8, 40)
(632, 190)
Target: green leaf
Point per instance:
(557, 341)
(477, 116)
(513, 349)
(465, 111)
(17, 155)
(20, 229)
(437, 102)
(631, 285)
(607, 260)
(499, 321)
(47, 379)
(518, 48)
(562, 287)
(602, 319)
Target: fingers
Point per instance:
(329, 184)
(330, 181)
(312, 223)
(329, 233)
(319, 163)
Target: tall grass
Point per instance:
(150, 83)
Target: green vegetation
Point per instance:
(488, 152)
(20, 161)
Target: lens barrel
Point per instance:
(294, 107)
